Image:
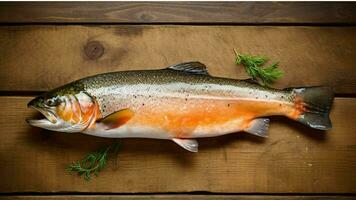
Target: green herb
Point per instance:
(93, 162)
(267, 75)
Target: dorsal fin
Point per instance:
(190, 67)
(251, 80)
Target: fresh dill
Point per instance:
(253, 67)
(93, 162)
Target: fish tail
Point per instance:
(312, 106)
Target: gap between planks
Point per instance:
(182, 197)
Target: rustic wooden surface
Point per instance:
(178, 12)
(294, 159)
(182, 197)
(38, 58)
(44, 45)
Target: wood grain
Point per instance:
(181, 197)
(294, 159)
(39, 58)
(178, 12)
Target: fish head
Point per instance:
(65, 110)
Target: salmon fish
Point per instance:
(178, 103)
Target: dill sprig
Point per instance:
(93, 162)
(253, 67)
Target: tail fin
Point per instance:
(314, 106)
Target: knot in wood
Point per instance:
(94, 50)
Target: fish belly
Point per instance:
(130, 131)
(168, 132)
(195, 118)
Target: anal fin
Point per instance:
(258, 127)
(188, 144)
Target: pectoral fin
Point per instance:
(188, 144)
(116, 119)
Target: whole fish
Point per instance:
(178, 103)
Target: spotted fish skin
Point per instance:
(118, 90)
(184, 102)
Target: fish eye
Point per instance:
(51, 102)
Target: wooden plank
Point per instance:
(294, 159)
(38, 58)
(181, 197)
(178, 12)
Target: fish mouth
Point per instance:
(49, 117)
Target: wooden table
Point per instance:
(45, 45)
